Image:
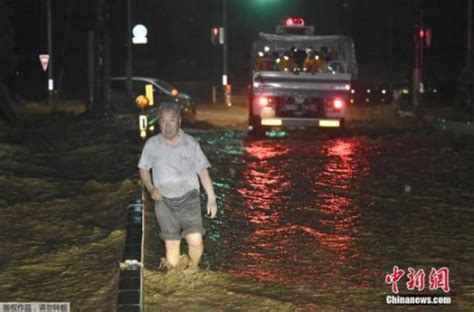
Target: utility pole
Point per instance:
(416, 73)
(129, 66)
(390, 50)
(418, 37)
(469, 47)
(98, 53)
(51, 102)
(225, 77)
(421, 34)
(469, 34)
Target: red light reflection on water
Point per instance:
(262, 150)
(262, 183)
(337, 209)
(262, 187)
(338, 213)
(279, 241)
(339, 171)
(341, 148)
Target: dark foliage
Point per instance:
(466, 89)
(7, 56)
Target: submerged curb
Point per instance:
(131, 267)
(455, 126)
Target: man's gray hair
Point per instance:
(169, 106)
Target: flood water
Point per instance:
(316, 222)
(307, 222)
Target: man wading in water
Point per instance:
(176, 160)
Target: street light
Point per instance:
(129, 66)
(139, 34)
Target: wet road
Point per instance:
(318, 221)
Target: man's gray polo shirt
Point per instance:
(174, 168)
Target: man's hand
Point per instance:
(155, 194)
(211, 196)
(211, 207)
(145, 176)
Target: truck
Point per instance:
(299, 79)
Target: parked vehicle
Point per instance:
(162, 92)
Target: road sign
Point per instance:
(44, 59)
(142, 122)
(149, 94)
(221, 35)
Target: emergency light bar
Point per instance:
(295, 26)
(291, 21)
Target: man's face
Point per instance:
(169, 124)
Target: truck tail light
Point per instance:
(338, 103)
(264, 105)
(264, 101)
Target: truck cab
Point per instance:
(299, 79)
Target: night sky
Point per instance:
(179, 47)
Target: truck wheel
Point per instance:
(342, 125)
(258, 131)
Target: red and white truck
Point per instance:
(299, 79)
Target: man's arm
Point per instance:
(211, 196)
(145, 176)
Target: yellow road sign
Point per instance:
(149, 94)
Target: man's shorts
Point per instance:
(179, 216)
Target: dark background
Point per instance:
(179, 48)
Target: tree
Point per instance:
(7, 59)
(466, 89)
(7, 56)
